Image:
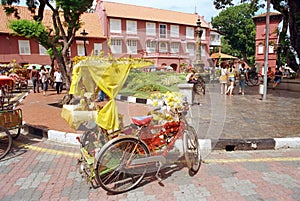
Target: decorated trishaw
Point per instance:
(117, 157)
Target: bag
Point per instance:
(223, 78)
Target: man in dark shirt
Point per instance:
(35, 79)
(277, 79)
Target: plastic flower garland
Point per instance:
(168, 103)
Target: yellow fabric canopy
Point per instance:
(106, 74)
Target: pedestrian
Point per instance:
(35, 76)
(231, 79)
(190, 78)
(277, 77)
(243, 76)
(270, 75)
(44, 78)
(223, 77)
(58, 81)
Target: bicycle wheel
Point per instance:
(5, 141)
(113, 171)
(191, 149)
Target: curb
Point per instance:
(206, 145)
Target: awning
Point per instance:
(222, 56)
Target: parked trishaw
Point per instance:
(117, 157)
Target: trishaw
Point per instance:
(117, 157)
(11, 119)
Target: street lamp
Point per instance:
(84, 34)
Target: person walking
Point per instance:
(58, 81)
(243, 76)
(277, 77)
(35, 75)
(223, 78)
(44, 79)
(231, 79)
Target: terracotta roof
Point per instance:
(91, 22)
(265, 14)
(120, 10)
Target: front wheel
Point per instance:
(5, 141)
(113, 170)
(191, 149)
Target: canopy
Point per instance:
(220, 55)
(109, 75)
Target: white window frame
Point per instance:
(190, 32)
(116, 46)
(175, 47)
(24, 47)
(150, 29)
(174, 31)
(203, 36)
(163, 46)
(80, 50)
(151, 46)
(190, 49)
(260, 48)
(131, 27)
(271, 49)
(97, 48)
(131, 46)
(115, 26)
(42, 50)
(163, 31)
(203, 50)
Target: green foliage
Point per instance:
(239, 29)
(143, 84)
(29, 29)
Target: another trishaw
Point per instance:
(114, 156)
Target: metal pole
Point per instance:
(266, 50)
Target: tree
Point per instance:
(239, 29)
(290, 9)
(57, 39)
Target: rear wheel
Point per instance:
(5, 141)
(113, 171)
(191, 149)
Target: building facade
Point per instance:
(260, 22)
(166, 37)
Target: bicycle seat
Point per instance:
(142, 120)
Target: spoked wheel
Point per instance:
(191, 149)
(113, 170)
(5, 141)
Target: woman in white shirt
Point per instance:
(58, 80)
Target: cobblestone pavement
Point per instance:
(38, 169)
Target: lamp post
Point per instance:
(84, 34)
(198, 63)
(266, 51)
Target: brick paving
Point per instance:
(43, 170)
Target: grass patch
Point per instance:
(143, 84)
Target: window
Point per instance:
(151, 46)
(80, 49)
(131, 46)
(115, 26)
(97, 48)
(163, 31)
(260, 49)
(203, 50)
(150, 29)
(190, 48)
(24, 47)
(174, 31)
(190, 32)
(203, 34)
(175, 47)
(42, 50)
(116, 46)
(131, 27)
(271, 48)
(163, 47)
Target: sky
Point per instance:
(203, 7)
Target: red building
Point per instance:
(260, 22)
(166, 37)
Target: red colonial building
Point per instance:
(260, 22)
